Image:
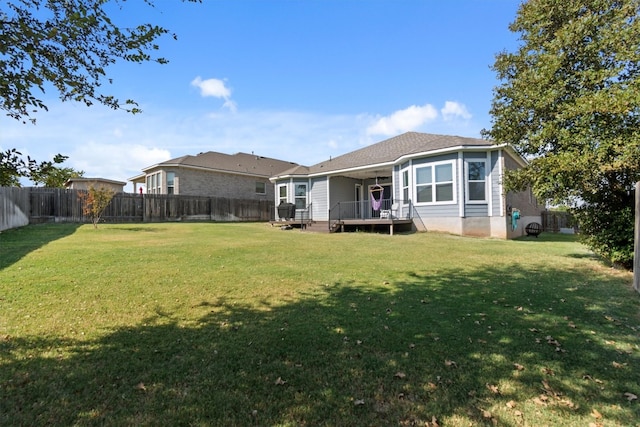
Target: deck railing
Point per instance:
(389, 209)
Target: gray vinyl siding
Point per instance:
(318, 198)
(473, 209)
(396, 190)
(342, 189)
(476, 210)
(433, 211)
(427, 160)
(496, 179)
(437, 211)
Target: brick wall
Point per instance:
(214, 184)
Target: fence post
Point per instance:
(636, 242)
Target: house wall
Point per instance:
(192, 182)
(84, 185)
(318, 198)
(497, 197)
(438, 213)
(342, 189)
(525, 202)
(472, 219)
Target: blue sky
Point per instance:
(297, 80)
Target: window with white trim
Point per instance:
(282, 193)
(405, 186)
(435, 183)
(300, 194)
(476, 180)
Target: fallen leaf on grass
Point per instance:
(511, 404)
(618, 365)
(280, 381)
(493, 388)
(434, 422)
(141, 386)
(630, 396)
(548, 371)
(595, 414)
(450, 363)
(518, 367)
(541, 400)
(400, 375)
(358, 402)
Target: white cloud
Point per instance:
(401, 121)
(100, 159)
(212, 87)
(111, 144)
(215, 88)
(453, 110)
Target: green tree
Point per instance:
(94, 201)
(55, 177)
(64, 46)
(569, 101)
(13, 167)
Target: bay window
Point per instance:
(435, 183)
(476, 180)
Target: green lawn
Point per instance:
(204, 324)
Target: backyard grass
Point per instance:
(200, 324)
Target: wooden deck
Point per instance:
(344, 225)
(371, 224)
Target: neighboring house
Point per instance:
(444, 183)
(212, 174)
(85, 183)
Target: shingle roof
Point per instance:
(391, 150)
(241, 163)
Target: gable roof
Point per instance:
(239, 163)
(94, 180)
(390, 151)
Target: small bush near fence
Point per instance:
(22, 206)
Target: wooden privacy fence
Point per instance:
(555, 220)
(20, 206)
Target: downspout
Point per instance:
(461, 185)
(489, 183)
(503, 196)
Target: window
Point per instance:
(171, 176)
(282, 193)
(300, 193)
(434, 183)
(476, 181)
(261, 187)
(153, 183)
(405, 186)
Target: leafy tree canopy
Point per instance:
(13, 167)
(569, 101)
(68, 44)
(65, 46)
